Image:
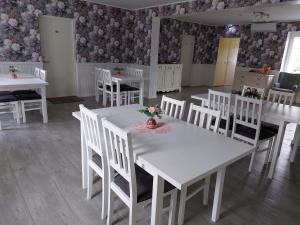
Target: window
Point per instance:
(291, 58)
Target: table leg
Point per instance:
(157, 200)
(277, 148)
(218, 194)
(118, 93)
(295, 146)
(141, 100)
(83, 158)
(44, 105)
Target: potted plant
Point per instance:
(119, 70)
(13, 70)
(151, 112)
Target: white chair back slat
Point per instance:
(285, 98)
(134, 72)
(37, 72)
(172, 107)
(98, 76)
(204, 117)
(260, 91)
(107, 78)
(43, 75)
(221, 101)
(247, 113)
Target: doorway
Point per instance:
(187, 54)
(58, 55)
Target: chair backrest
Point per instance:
(247, 89)
(247, 117)
(98, 75)
(37, 72)
(172, 107)
(106, 75)
(221, 101)
(43, 74)
(120, 155)
(285, 98)
(288, 80)
(204, 117)
(134, 72)
(91, 129)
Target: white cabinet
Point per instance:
(252, 79)
(169, 77)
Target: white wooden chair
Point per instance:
(129, 182)
(260, 91)
(37, 72)
(247, 126)
(172, 107)
(135, 89)
(221, 101)
(31, 101)
(110, 89)
(207, 119)
(285, 98)
(9, 104)
(98, 84)
(96, 158)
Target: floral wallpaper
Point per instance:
(103, 33)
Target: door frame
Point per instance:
(73, 22)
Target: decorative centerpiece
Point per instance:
(252, 93)
(13, 70)
(151, 112)
(119, 70)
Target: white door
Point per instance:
(57, 43)
(187, 53)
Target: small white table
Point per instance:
(273, 113)
(118, 79)
(184, 154)
(25, 82)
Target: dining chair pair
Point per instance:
(114, 163)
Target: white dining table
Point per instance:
(182, 155)
(120, 79)
(25, 82)
(273, 113)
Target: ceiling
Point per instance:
(277, 13)
(135, 4)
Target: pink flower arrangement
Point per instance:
(151, 111)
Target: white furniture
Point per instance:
(172, 107)
(169, 77)
(26, 82)
(207, 119)
(247, 126)
(221, 101)
(285, 98)
(247, 88)
(9, 104)
(96, 159)
(99, 84)
(37, 72)
(32, 101)
(280, 115)
(129, 182)
(252, 79)
(135, 93)
(163, 157)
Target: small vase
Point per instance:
(151, 123)
(14, 76)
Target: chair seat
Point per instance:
(7, 98)
(98, 160)
(222, 124)
(274, 128)
(24, 97)
(5, 93)
(250, 133)
(20, 92)
(130, 88)
(144, 183)
(282, 89)
(123, 88)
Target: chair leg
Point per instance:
(23, 112)
(110, 206)
(271, 141)
(112, 100)
(17, 112)
(252, 160)
(132, 214)
(90, 178)
(206, 190)
(173, 203)
(182, 206)
(104, 198)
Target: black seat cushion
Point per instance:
(33, 96)
(250, 132)
(8, 98)
(97, 159)
(144, 183)
(223, 123)
(5, 93)
(282, 89)
(273, 127)
(19, 92)
(123, 88)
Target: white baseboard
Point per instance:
(85, 79)
(23, 67)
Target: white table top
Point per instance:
(23, 81)
(272, 112)
(126, 78)
(182, 155)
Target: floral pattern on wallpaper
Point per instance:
(20, 38)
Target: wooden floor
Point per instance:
(40, 179)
